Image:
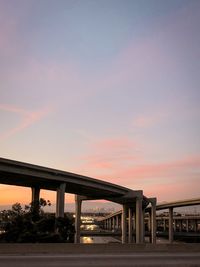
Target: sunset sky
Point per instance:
(107, 89)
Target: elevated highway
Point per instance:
(85, 188)
(113, 221)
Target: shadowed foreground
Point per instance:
(97, 255)
(134, 259)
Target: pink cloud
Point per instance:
(107, 153)
(146, 121)
(28, 118)
(169, 180)
(166, 171)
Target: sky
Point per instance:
(107, 89)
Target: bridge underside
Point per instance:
(85, 188)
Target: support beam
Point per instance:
(78, 203)
(134, 225)
(35, 198)
(153, 220)
(139, 221)
(117, 222)
(150, 226)
(171, 231)
(130, 225)
(187, 225)
(35, 194)
(164, 225)
(60, 200)
(124, 224)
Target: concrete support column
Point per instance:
(60, 200)
(113, 223)
(149, 222)
(139, 221)
(187, 225)
(117, 222)
(130, 225)
(164, 225)
(110, 223)
(124, 224)
(120, 221)
(181, 225)
(35, 194)
(78, 203)
(194, 225)
(35, 197)
(153, 220)
(175, 225)
(150, 227)
(143, 219)
(171, 232)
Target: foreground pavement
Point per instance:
(99, 255)
(151, 259)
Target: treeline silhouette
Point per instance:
(33, 225)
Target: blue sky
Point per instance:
(108, 89)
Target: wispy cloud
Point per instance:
(176, 177)
(107, 154)
(146, 121)
(28, 118)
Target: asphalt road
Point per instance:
(153, 259)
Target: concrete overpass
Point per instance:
(85, 188)
(114, 218)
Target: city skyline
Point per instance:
(107, 89)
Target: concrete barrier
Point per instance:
(60, 248)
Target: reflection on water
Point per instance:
(87, 239)
(108, 239)
(98, 239)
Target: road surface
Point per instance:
(151, 259)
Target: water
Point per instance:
(109, 239)
(98, 239)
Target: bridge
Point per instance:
(85, 188)
(113, 221)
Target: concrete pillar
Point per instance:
(175, 225)
(149, 227)
(153, 221)
(110, 223)
(187, 225)
(60, 200)
(143, 219)
(171, 232)
(134, 224)
(106, 225)
(194, 225)
(113, 223)
(149, 222)
(120, 221)
(139, 221)
(117, 222)
(35, 194)
(78, 203)
(35, 198)
(124, 224)
(164, 225)
(130, 225)
(180, 225)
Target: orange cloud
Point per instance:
(28, 118)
